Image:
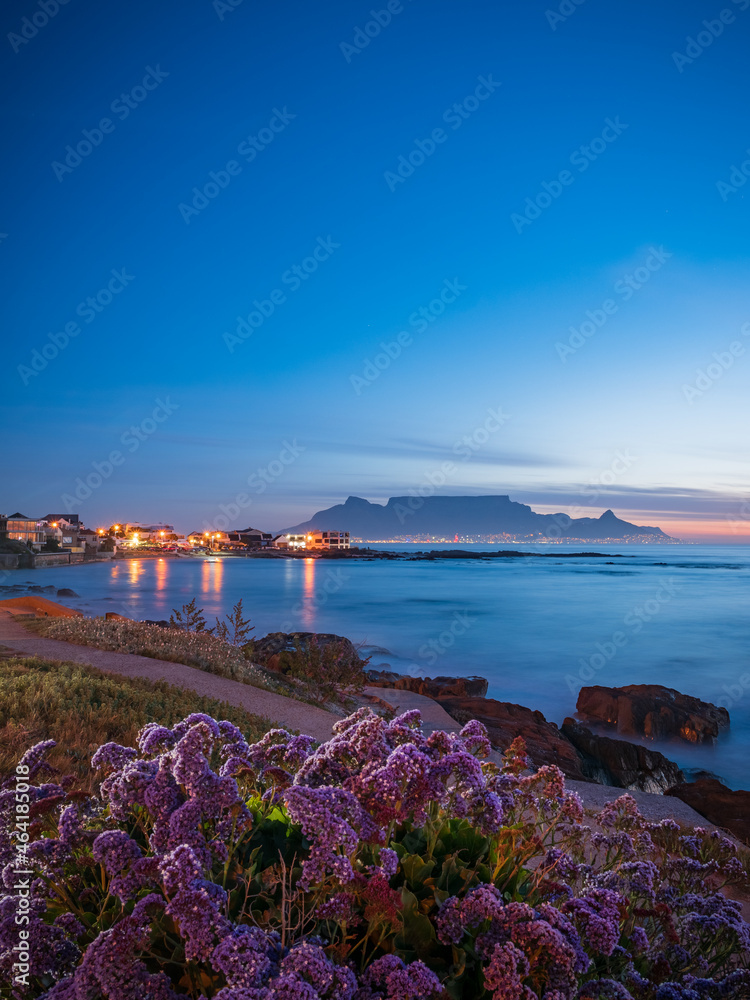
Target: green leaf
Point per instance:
(418, 932)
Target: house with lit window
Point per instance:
(20, 528)
(328, 540)
(62, 528)
(331, 540)
(290, 541)
(251, 538)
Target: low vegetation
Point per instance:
(318, 673)
(81, 708)
(199, 649)
(329, 672)
(382, 865)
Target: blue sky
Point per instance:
(183, 86)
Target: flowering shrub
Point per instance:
(196, 649)
(381, 865)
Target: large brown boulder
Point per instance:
(505, 721)
(653, 711)
(719, 804)
(431, 687)
(622, 764)
(269, 651)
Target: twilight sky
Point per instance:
(497, 249)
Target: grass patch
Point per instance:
(195, 649)
(81, 707)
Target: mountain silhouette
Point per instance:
(447, 516)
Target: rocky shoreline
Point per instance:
(649, 711)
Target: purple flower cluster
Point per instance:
(111, 966)
(196, 808)
(52, 947)
(516, 941)
(388, 978)
(398, 774)
(598, 915)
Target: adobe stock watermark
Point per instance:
(454, 116)
(431, 651)
(334, 580)
(592, 491)
(466, 447)
(219, 180)
(31, 26)
(582, 158)
(88, 310)
(294, 277)
(420, 320)
(711, 30)
(737, 178)
(625, 288)
(363, 35)
(633, 623)
(706, 378)
(740, 524)
(258, 481)
(565, 10)
(734, 693)
(94, 137)
(224, 7)
(131, 439)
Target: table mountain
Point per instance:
(448, 515)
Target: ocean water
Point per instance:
(537, 628)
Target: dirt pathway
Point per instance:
(285, 712)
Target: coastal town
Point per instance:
(63, 539)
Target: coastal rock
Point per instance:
(66, 592)
(653, 711)
(40, 606)
(622, 764)
(545, 744)
(431, 687)
(269, 650)
(719, 804)
(112, 616)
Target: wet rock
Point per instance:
(161, 622)
(66, 592)
(622, 764)
(112, 616)
(431, 687)
(652, 711)
(719, 804)
(269, 651)
(49, 590)
(505, 721)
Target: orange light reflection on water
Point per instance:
(135, 570)
(161, 574)
(212, 576)
(308, 593)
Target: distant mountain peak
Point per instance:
(448, 516)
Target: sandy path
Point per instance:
(285, 712)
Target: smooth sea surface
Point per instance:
(537, 628)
